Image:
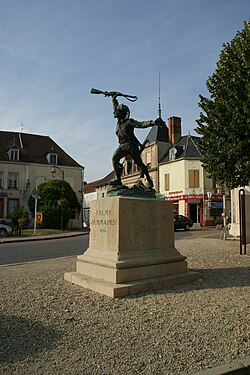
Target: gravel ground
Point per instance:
(51, 327)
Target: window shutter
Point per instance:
(167, 182)
(194, 178)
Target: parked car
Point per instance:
(182, 222)
(5, 230)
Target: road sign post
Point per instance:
(36, 196)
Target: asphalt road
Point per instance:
(22, 252)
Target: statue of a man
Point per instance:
(128, 143)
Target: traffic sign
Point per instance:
(39, 217)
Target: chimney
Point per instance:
(174, 129)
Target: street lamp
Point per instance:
(53, 171)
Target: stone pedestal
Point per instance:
(131, 248)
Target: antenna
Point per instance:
(159, 98)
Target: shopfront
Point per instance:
(188, 205)
(200, 208)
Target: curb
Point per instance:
(41, 237)
(241, 367)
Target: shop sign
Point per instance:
(175, 192)
(217, 204)
(193, 197)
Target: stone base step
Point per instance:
(122, 290)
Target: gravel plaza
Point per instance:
(49, 326)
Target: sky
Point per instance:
(52, 52)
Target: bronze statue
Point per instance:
(128, 143)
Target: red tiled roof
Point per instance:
(106, 179)
(91, 186)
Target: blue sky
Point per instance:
(52, 52)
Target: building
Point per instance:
(235, 212)
(184, 181)
(92, 191)
(175, 165)
(26, 161)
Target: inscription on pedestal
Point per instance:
(103, 219)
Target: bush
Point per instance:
(20, 219)
(52, 217)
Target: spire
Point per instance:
(159, 98)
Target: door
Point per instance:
(194, 212)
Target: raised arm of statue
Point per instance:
(114, 102)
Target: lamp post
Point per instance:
(36, 196)
(53, 171)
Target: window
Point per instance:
(12, 180)
(148, 156)
(52, 158)
(1, 180)
(12, 205)
(129, 166)
(194, 178)
(13, 154)
(172, 153)
(176, 207)
(167, 182)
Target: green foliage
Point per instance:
(24, 221)
(57, 199)
(225, 121)
(19, 218)
(52, 216)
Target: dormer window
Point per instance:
(13, 153)
(172, 153)
(52, 158)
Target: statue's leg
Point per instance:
(146, 172)
(118, 155)
(134, 152)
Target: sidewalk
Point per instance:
(40, 237)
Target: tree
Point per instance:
(55, 195)
(225, 121)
